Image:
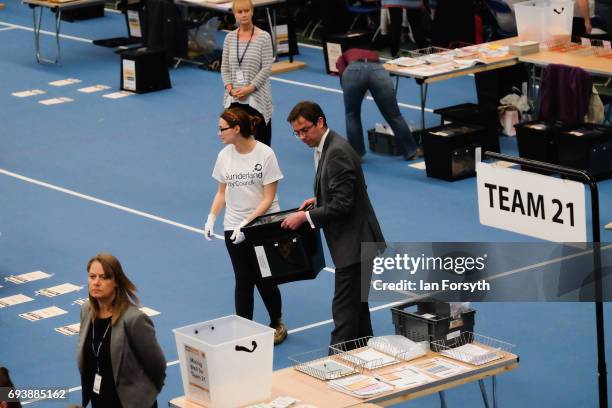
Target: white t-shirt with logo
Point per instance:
(245, 176)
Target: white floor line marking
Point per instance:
(113, 205)
(339, 91)
(287, 81)
(102, 202)
(69, 37)
(7, 28)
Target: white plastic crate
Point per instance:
(226, 362)
(544, 20)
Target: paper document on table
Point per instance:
(118, 95)
(473, 354)
(43, 313)
(95, 88)
(28, 277)
(330, 368)
(439, 367)
(64, 82)
(69, 330)
(361, 386)
(407, 62)
(404, 377)
(14, 300)
(25, 94)
(59, 290)
(55, 101)
(369, 358)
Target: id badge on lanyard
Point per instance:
(240, 77)
(97, 383)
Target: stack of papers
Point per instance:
(407, 61)
(439, 367)
(472, 354)
(369, 358)
(404, 377)
(361, 386)
(326, 369)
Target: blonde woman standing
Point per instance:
(245, 68)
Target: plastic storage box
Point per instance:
(544, 20)
(473, 114)
(587, 147)
(449, 151)
(284, 255)
(424, 324)
(383, 143)
(537, 140)
(226, 362)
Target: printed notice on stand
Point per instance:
(14, 300)
(59, 290)
(197, 370)
(129, 75)
(43, 313)
(69, 330)
(28, 277)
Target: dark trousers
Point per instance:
(351, 315)
(416, 24)
(247, 276)
(263, 131)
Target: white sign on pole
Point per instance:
(532, 204)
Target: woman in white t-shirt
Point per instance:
(248, 175)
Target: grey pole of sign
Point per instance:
(586, 178)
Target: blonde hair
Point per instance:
(125, 292)
(241, 5)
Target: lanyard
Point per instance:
(238, 57)
(93, 347)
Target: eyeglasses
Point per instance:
(303, 131)
(224, 129)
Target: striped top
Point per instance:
(256, 68)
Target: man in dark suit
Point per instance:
(341, 207)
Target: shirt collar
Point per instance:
(322, 142)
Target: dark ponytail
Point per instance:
(236, 116)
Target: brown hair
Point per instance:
(125, 292)
(240, 5)
(236, 116)
(310, 111)
(5, 381)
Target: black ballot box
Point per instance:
(473, 114)
(587, 147)
(449, 151)
(383, 143)
(430, 322)
(285, 255)
(537, 140)
(144, 70)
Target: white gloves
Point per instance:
(238, 236)
(209, 226)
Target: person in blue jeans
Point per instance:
(361, 71)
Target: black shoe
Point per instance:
(418, 153)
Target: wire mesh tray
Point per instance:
(432, 55)
(473, 348)
(324, 365)
(369, 356)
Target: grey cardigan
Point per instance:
(139, 365)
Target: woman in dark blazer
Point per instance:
(120, 361)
